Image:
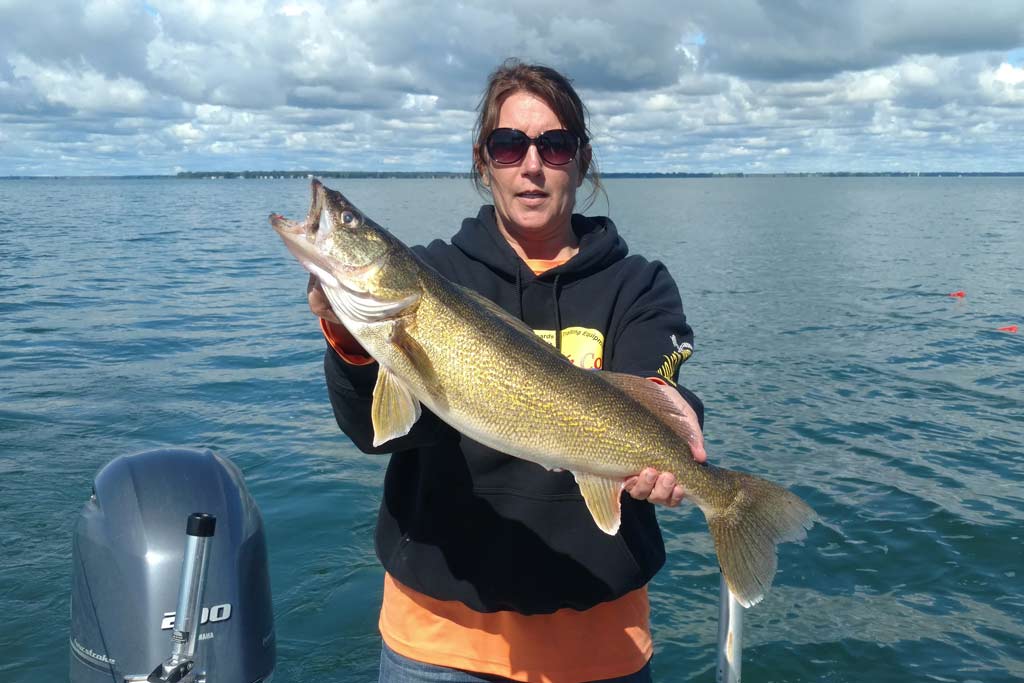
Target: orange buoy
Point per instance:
(1009, 328)
(959, 294)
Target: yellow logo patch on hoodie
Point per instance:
(581, 345)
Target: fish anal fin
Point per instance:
(655, 397)
(394, 410)
(603, 497)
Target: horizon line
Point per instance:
(282, 174)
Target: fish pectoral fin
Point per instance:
(395, 410)
(604, 500)
(417, 357)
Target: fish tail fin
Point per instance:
(748, 523)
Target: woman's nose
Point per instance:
(532, 162)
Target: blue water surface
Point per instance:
(142, 313)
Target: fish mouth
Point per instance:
(349, 287)
(287, 228)
(290, 230)
(303, 239)
(300, 238)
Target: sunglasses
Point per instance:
(509, 146)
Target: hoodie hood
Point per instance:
(600, 246)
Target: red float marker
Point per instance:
(959, 294)
(1009, 328)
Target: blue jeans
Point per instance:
(394, 668)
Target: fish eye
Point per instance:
(347, 217)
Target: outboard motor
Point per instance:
(140, 550)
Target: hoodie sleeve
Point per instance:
(654, 339)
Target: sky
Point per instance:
(118, 87)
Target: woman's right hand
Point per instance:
(318, 302)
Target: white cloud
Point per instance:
(420, 103)
(187, 133)
(81, 87)
(1003, 85)
(918, 75)
(1009, 75)
(661, 102)
(870, 87)
(103, 16)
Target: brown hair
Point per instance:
(556, 91)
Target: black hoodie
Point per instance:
(461, 521)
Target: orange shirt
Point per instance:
(609, 640)
(568, 646)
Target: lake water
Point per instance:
(137, 314)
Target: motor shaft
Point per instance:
(730, 635)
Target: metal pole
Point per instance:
(193, 581)
(187, 618)
(730, 635)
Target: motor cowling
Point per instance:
(127, 561)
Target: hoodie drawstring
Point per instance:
(554, 301)
(558, 314)
(519, 289)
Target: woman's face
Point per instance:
(533, 200)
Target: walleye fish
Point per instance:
(442, 346)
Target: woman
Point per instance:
(494, 565)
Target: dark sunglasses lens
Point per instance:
(557, 147)
(507, 146)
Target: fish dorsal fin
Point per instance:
(604, 500)
(395, 410)
(654, 397)
(497, 310)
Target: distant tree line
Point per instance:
(320, 174)
(450, 174)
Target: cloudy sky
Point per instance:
(133, 86)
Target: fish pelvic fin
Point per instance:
(394, 410)
(603, 497)
(757, 515)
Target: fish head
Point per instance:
(350, 254)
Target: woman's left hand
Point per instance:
(661, 487)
